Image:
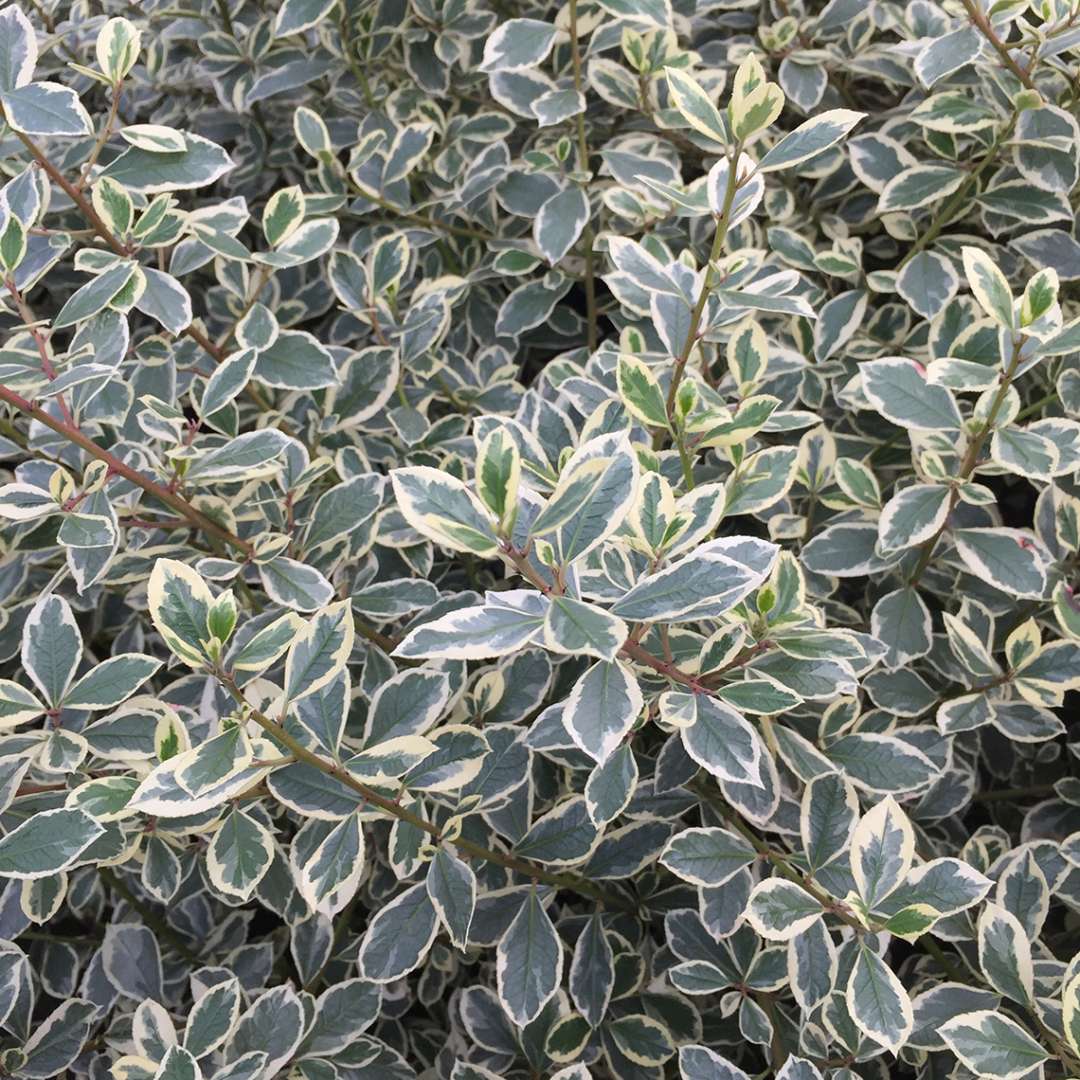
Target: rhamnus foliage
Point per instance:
(538, 539)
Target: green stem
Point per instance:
(956, 200)
(226, 17)
(583, 165)
(1037, 406)
(971, 457)
(354, 64)
(1009, 794)
(422, 220)
(722, 223)
(151, 918)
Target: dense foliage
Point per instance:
(537, 539)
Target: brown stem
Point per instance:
(979, 19)
(120, 468)
(40, 341)
(780, 861)
(394, 809)
(86, 208)
(77, 197)
(102, 139)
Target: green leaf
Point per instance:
(117, 48)
(574, 627)
(238, 857)
(443, 509)
(901, 621)
(529, 962)
(451, 884)
(927, 282)
(399, 936)
(295, 16)
(111, 682)
(295, 584)
(913, 515)
(19, 52)
(810, 138)
(180, 603)
(228, 381)
(992, 1045)
(878, 1002)
(828, 818)
(498, 474)
(1070, 1014)
(900, 392)
(205, 767)
(592, 972)
(284, 210)
(919, 186)
(505, 624)
(1005, 954)
(641, 392)
(779, 909)
(989, 286)
(642, 1039)
(563, 836)
(880, 763)
(408, 703)
(707, 856)
(17, 705)
(57, 1040)
(212, 1018)
(517, 44)
(1025, 453)
(200, 163)
(178, 1064)
(837, 322)
(718, 738)
(51, 647)
(560, 222)
(695, 106)
(1006, 559)
(95, 295)
(595, 490)
(46, 108)
(45, 844)
(163, 298)
(319, 651)
(611, 785)
(267, 644)
(709, 581)
(882, 850)
(701, 1063)
(602, 707)
(247, 457)
(329, 876)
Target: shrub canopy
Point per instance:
(537, 539)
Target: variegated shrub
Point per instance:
(538, 539)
